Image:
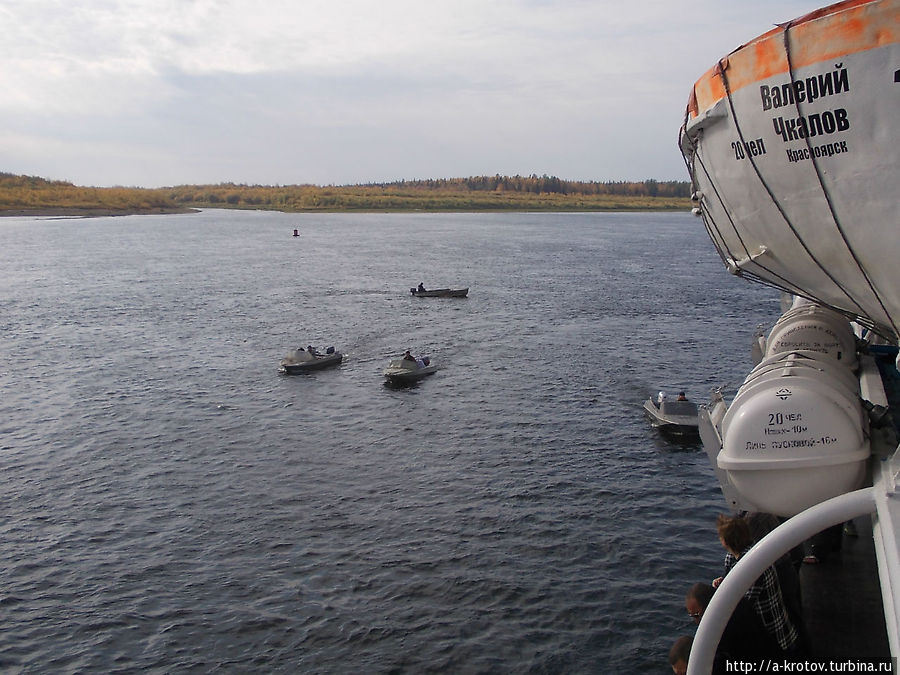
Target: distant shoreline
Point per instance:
(33, 196)
(61, 212)
(76, 213)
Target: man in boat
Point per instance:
(681, 396)
(421, 288)
(312, 350)
(408, 357)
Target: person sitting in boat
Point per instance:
(408, 357)
(312, 350)
(681, 396)
(421, 288)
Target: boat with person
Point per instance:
(792, 145)
(677, 417)
(302, 360)
(408, 369)
(420, 292)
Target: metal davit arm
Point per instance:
(752, 564)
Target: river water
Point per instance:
(172, 503)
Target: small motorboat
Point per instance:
(675, 417)
(405, 370)
(301, 361)
(440, 293)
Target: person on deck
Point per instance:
(786, 567)
(744, 638)
(681, 396)
(421, 288)
(765, 593)
(678, 654)
(408, 357)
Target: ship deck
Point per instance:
(842, 603)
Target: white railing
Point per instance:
(753, 563)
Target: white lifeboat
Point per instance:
(793, 147)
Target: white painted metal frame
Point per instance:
(879, 499)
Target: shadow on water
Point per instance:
(309, 374)
(681, 443)
(399, 385)
(675, 441)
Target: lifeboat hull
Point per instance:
(793, 148)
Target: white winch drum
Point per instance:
(809, 327)
(795, 434)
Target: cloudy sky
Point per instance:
(165, 92)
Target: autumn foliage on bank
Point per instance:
(31, 194)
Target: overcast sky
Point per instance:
(165, 92)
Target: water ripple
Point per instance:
(173, 504)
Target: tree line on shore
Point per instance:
(549, 184)
(32, 194)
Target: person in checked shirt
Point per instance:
(765, 593)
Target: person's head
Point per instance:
(734, 533)
(678, 654)
(697, 600)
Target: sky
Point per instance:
(154, 93)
